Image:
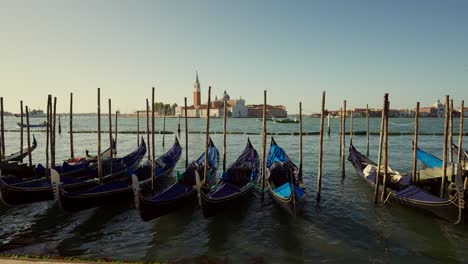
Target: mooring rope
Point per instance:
(406, 124)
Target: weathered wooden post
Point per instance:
(319, 175)
(138, 128)
(53, 131)
(384, 182)
(99, 134)
(207, 144)
(341, 130)
(343, 135)
(164, 126)
(153, 152)
(224, 136)
(264, 142)
(351, 126)
(415, 143)
(49, 100)
(1, 128)
(451, 133)
(148, 130)
(29, 137)
(300, 145)
(116, 130)
(71, 126)
(60, 125)
(328, 125)
(186, 133)
(22, 131)
(367, 130)
(379, 159)
(444, 153)
(110, 130)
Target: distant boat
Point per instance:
(286, 121)
(268, 119)
(33, 125)
(34, 114)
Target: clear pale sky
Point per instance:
(354, 50)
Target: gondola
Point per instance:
(236, 183)
(13, 158)
(32, 125)
(183, 192)
(432, 161)
(14, 191)
(120, 188)
(401, 191)
(283, 183)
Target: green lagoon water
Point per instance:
(344, 227)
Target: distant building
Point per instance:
(196, 92)
(277, 111)
(234, 107)
(440, 109)
(428, 112)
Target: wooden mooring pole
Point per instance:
(116, 130)
(53, 135)
(343, 145)
(444, 150)
(2, 132)
(224, 135)
(110, 130)
(22, 130)
(153, 151)
(367, 130)
(264, 142)
(301, 161)
(148, 142)
(319, 174)
(28, 137)
(186, 133)
(138, 128)
(379, 159)
(207, 138)
(49, 100)
(99, 134)
(71, 126)
(415, 144)
(385, 176)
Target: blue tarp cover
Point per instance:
(285, 190)
(430, 160)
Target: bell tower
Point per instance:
(196, 92)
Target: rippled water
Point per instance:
(344, 227)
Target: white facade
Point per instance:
(238, 108)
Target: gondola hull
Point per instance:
(74, 203)
(292, 206)
(211, 206)
(151, 209)
(412, 196)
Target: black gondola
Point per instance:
(14, 191)
(236, 184)
(282, 181)
(401, 191)
(181, 193)
(120, 188)
(13, 159)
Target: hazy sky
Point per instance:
(354, 50)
